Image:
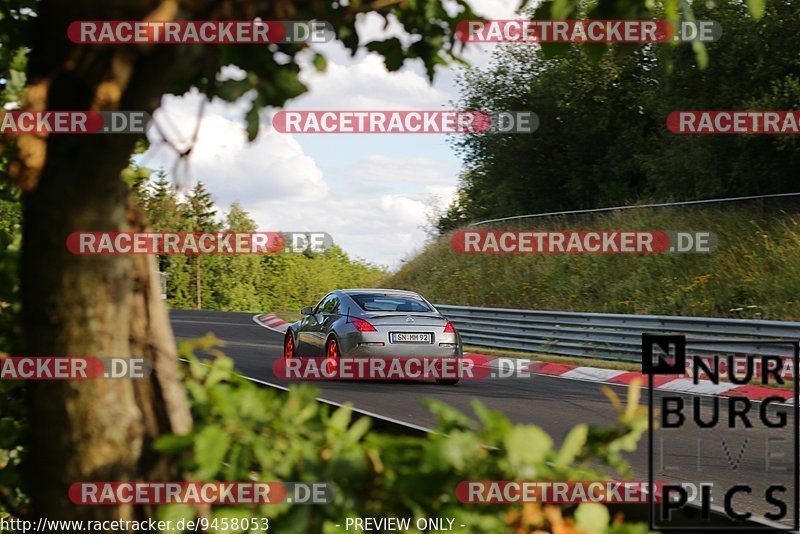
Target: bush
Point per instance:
(244, 432)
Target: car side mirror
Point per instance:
(308, 310)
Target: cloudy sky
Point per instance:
(370, 192)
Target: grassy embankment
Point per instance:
(754, 273)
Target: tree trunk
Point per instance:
(197, 283)
(100, 306)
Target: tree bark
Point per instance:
(100, 306)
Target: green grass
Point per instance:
(287, 316)
(754, 272)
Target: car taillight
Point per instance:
(449, 328)
(362, 325)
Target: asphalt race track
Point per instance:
(728, 457)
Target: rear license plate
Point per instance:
(403, 337)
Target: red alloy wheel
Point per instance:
(332, 357)
(288, 347)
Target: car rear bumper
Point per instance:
(365, 344)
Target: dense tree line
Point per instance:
(603, 139)
(237, 282)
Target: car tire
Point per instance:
(332, 356)
(288, 347)
(447, 382)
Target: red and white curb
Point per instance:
(674, 383)
(271, 322)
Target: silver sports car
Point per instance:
(375, 323)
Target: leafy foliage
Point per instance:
(244, 432)
(15, 16)
(602, 139)
(272, 78)
(13, 416)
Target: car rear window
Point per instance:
(391, 303)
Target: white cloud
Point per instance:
(382, 172)
(496, 9)
(382, 230)
(408, 212)
(375, 204)
(273, 166)
(441, 196)
(284, 189)
(367, 85)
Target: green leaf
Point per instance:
(544, 10)
(573, 444)
(210, 447)
(359, 429)
(447, 417)
(527, 445)
(563, 9)
(341, 417)
(173, 443)
(456, 450)
(174, 513)
(495, 425)
(349, 38)
(285, 85)
(253, 122)
(391, 50)
(221, 369)
(671, 8)
(701, 54)
(320, 63)
(231, 90)
(592, 517)
(757, 8)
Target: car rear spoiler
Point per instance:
(396, 314)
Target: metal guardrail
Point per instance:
(611, 336)
(163, 279)
(638, 206)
